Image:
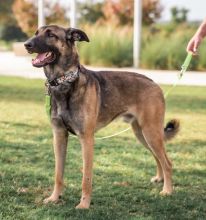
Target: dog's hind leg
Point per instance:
(138, 133)
(154, 136)
(60, 139)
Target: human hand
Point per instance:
(194, 44)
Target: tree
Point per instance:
(179, 15)
(151, 11)
(122, 11)
(90, 12)
(119, 12)
(12, 32)
(26, 14)
(55, 14)
(184, 12)
(6, 12)
(9, 28)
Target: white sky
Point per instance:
(197, 8)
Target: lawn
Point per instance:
(122, 167)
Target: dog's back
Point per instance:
(123, 93)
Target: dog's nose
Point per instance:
(29, 44)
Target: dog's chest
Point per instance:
(68, 111)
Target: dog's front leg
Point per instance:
(87, 144)
(60, 138)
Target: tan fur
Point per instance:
(93, 101)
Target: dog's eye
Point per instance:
(49, 34)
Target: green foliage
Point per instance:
(151, 11)
(90, 13)
(9, 29)
(166, 48)
(108, 46)
(200, 63)
(163, 52)
(11, 33)
(122, 167)
(162, 47)
(179, 15)
(6, 15)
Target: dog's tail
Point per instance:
(171, 129)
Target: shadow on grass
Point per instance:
(141, 200)
(26, 174)
(191, 103)
(18, 93)
(35, 93)
(20, 125)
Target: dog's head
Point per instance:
(51, 42)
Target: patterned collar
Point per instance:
(69, 76)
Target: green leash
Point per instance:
(180, 75)
(48, 106)
(184, 67)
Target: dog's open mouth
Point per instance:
(43, 59)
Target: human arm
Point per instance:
(197, 38)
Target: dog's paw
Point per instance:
(84, 204)
(156, 179)
(52, 199)
(166, 192)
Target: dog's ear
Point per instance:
(73, 34)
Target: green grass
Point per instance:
(122, 167)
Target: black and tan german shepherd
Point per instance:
(84, 101)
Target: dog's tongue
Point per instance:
(41, 58)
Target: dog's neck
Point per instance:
(67, 63)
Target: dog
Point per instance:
(83, 101)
